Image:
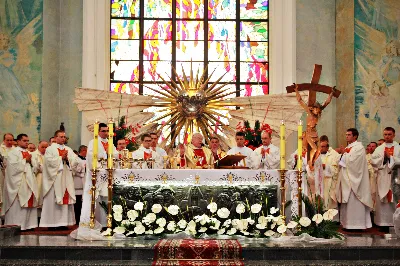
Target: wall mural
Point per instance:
(377, 67)
(21, 45)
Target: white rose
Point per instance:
(262, 220)
(204, 219)
(119, 230)
(161, 222)
(231, 231)
(223, 213)
(149, 232)
(117, 209)
(227, 223)
(156, 208)
(138, 206)
(261, 226)
(242, 225)
(216, 223)
(171, 226)
(117, 216)
(182, 224)
(221, 231)
(202, 229)
(173, 209)
(256, 208)
(305, 221)
(318, 218)
(132, 215)
(330, 214)
(240, 208)
(212, 207)
(273, 210)
(250, 221)
(150, 218)
(125, 222)
(191, 225)
(269, 233)
(107, 232)
(235, 223)
(281, 229)
(158, 230)
(139, 230)
(292, 224)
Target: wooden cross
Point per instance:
(313, 87)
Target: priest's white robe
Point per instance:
(246, 162)
(326, 179)
(101, 190)
(372, 179)
(20, 192)
(4, 152)
(58, 188)
(37, 163)
(270, 160)
(384, 205)
(139, 154)
(353, 190)
(292, 162)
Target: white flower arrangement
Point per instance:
(156, 208)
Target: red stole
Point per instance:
(105, 145)
(31, 199)
(24, 154)
(390, 150)
(347, 150)
(199, 153)
(66, 194)
(264, 152)
(147, 155)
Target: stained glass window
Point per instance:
(148, 37)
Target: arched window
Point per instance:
(150, 36)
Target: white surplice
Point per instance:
(292, 162)
(139, 154)
(269, 161)
(4, 150)
(58, 188)
(384, 205)
(246, 162)
(37, 163)
(353, 190)
(20, 192)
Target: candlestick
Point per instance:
(282, 146)
(110, 144)
(300, 145)
(95, 144)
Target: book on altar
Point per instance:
(229, 161)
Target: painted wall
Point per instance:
(21, 50)
(377, 67)
(315, 44)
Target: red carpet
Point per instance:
(196, 252)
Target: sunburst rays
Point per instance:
(190, 104)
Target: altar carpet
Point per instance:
(196, 252)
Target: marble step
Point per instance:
(7, 231)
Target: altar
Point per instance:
(127, 182)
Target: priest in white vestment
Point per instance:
(327, 162)
(372, 172)
(353, 190)
(21, 190)
(217, 152)
(240, 149)
(37, 163)
(5, 148)
(102, 190)
(384, 158)
(152, 160)
(266, 156)
(155, 147)
(58, 184)
(79, 173)
(195, 155)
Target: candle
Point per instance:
(300, 145)
(283, 146)
(95, 144)
(110, 144)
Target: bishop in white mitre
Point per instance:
(58, 184)
(353, 189)
(146, 153)
(384, 158)
(21, 190)
(37, 163)
(266, 156)
(240, 149)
